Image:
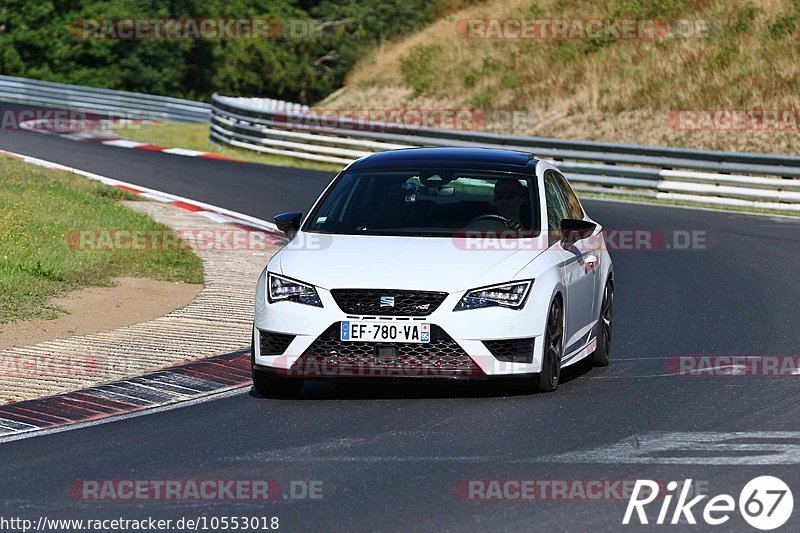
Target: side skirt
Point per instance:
(579, 354)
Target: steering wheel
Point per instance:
(491, 216)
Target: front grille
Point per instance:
(330, 357)
(274, 343)
(406, 303)
(511, 350)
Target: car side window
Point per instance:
(575, 209)
(557, 207)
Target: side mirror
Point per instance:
(289, 223)
(573, 230)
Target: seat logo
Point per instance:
(387, 301)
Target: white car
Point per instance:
(435, 263)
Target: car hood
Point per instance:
(422, 263)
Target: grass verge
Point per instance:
(731, 56)
(195, 137)
(38, 209)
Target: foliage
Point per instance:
(42, 39)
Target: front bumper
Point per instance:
(457, 349)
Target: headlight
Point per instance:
(511, 295)
(281, 288)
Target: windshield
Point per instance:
(427, 202)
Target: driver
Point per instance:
(511, 200)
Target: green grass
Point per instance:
(38, 210)
(195, 137)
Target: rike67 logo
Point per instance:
(765, 503)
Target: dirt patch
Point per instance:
(96, 309)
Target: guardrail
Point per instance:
(764, 181)
(102, 101)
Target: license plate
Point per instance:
(377, 331)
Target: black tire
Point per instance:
(553, 348)
(600, 356)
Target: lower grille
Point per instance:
(511, 350)
(274, 343)
(330, 357)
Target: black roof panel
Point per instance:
(484, 158)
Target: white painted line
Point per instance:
(643, 376)
(123, 143)
(11, 427)
(154, 391)
(161, 385)
(216, 217)
(166, 385)
(157, 197)
(182, 151)
(697, 448)
(114, 395)
(196, 385)
(16, 426)
(389, 459)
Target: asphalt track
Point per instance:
(390, 456)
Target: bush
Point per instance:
(36, 42)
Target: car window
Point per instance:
(427, 202)
(575, 209)
(557, 207)
(337, 201)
